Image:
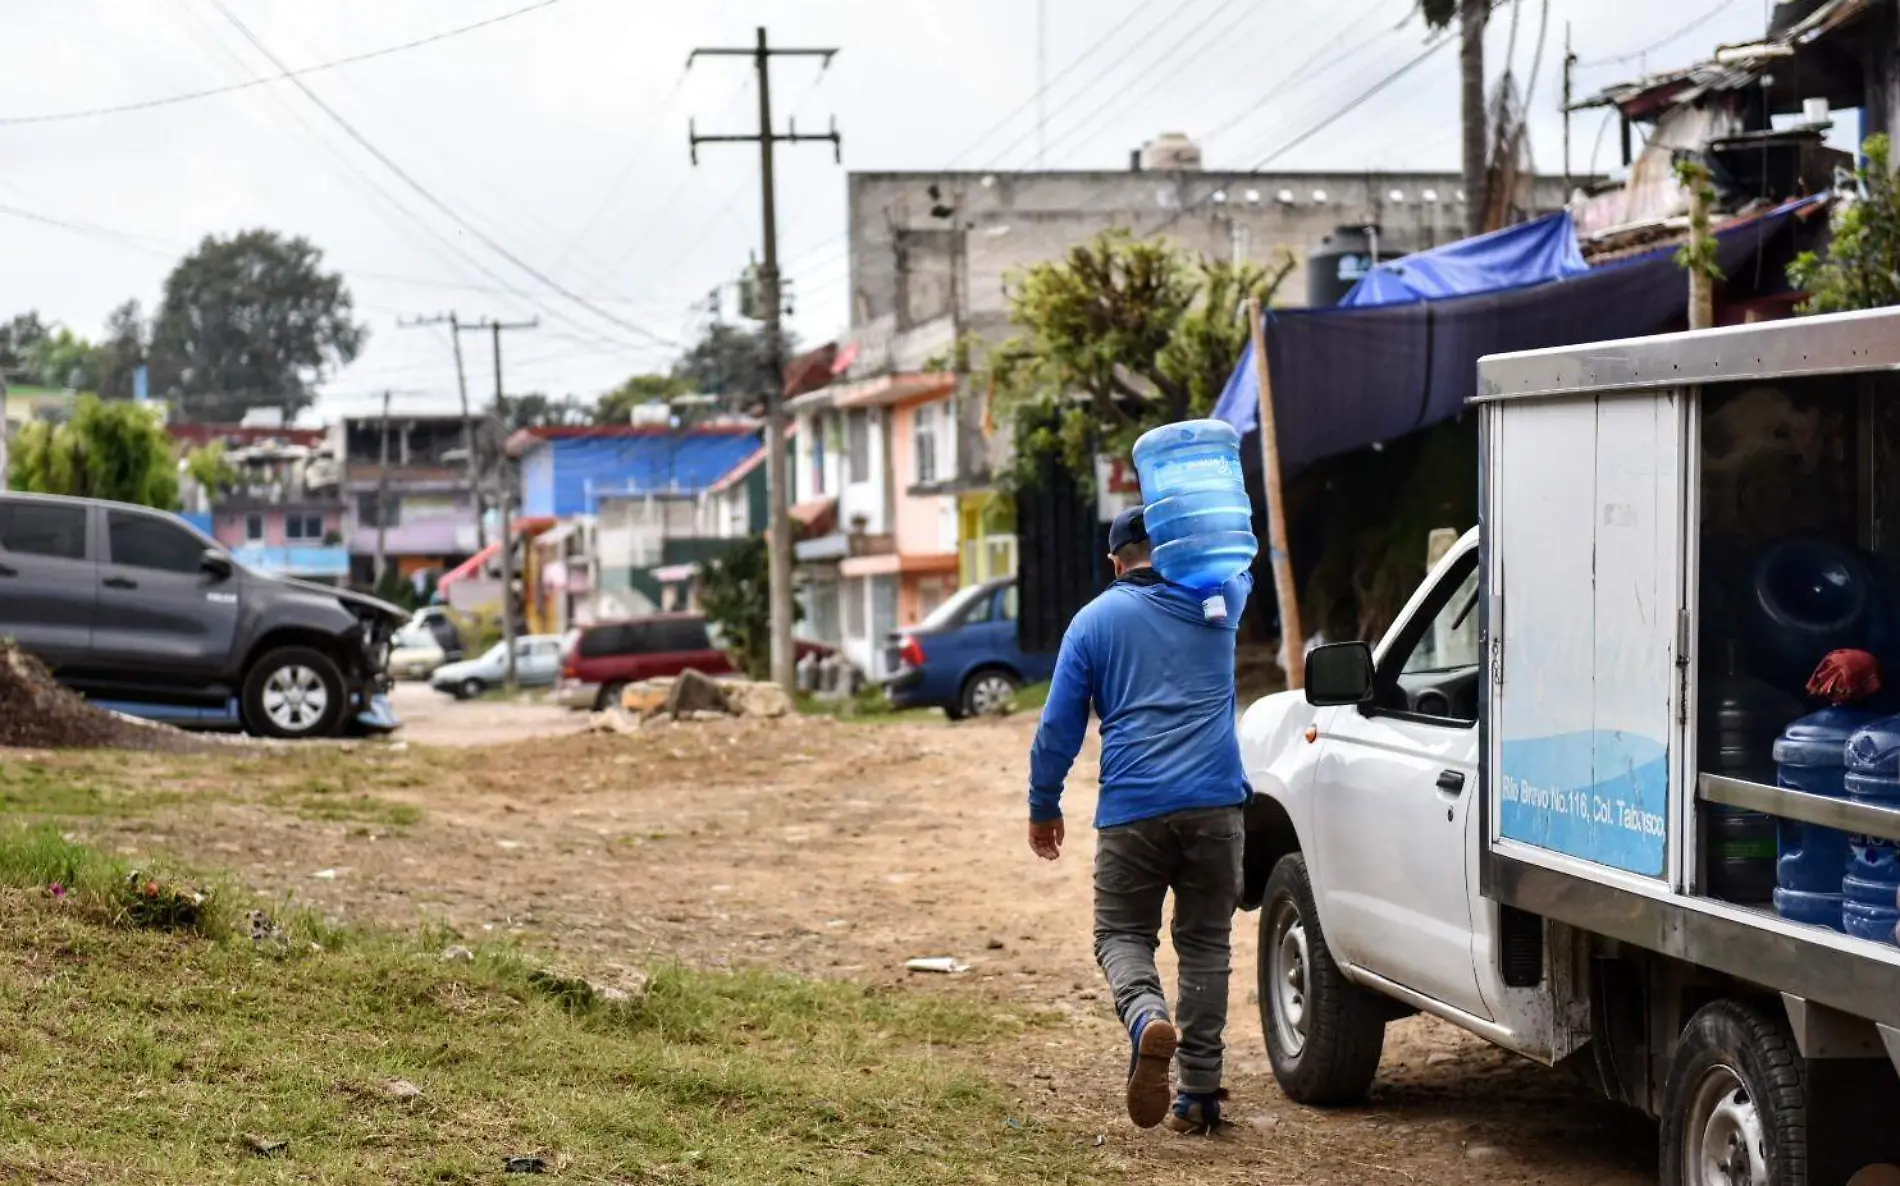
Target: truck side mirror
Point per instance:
(217, 564)
(1339, 673)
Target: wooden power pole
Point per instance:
(504, 504)
(1292, 637)
(778, 468)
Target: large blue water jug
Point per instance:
(1811, 756)
(1199, 517)
(1870, 890)
(1810, 596)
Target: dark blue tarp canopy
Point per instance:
(1344, 378)
(1531, 253)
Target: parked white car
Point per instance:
(537, 664)
(415, 653)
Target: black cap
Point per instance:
(1130, 527)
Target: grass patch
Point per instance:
(335, 799)
(1031, 698)
(870, 704)
(156, 1057)
(28, 788)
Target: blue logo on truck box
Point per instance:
(1601, 796)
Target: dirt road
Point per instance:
(431, 718)
(841, 850)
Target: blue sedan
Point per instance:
(964, 658)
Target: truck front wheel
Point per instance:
(294, 693)
(1735, 1109)
(1324, 1033)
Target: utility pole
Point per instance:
(504, 504)
(1570, 68)
(468, 421)
(382, 501)
(778, 470)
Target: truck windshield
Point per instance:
(1451, 641)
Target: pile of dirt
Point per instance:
(692, 697)
(37, 713)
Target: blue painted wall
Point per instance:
(567, 477)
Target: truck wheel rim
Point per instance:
(1723, 1144)
(1287, 960)
(991, 695)
(295, 698)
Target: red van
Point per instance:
(608, 656)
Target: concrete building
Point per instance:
(931, 253)
(283, 512)
(428, 522)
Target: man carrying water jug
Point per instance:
(1157, 663)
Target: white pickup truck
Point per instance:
(1498, 815)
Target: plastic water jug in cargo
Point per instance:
(1809, 596)
(1870, 889)
(1199, 518)
(1739, 718)
(1811, 756)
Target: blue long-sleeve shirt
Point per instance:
(1161, 678)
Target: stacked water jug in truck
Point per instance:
(1578, 800)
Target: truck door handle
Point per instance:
(1452, 782)
(121, 583)
(8, 572)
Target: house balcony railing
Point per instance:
(318, 561)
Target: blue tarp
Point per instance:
(1532, 253)
(1344, 379)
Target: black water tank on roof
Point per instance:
(1344, 257)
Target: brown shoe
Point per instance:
(1149, 1094)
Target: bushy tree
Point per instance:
(735, 589)
(250, 321)
(208, 467)
(1861, 269)
(122, 352)
(118, 451)
(1120, 336)
(616, 407)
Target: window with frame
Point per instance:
(925, 439)
(852, 592)
(817, 457)
(146, 541)
(680, 635)
(304, 527)
(1434, 670)
(857, 433)
(43, 529)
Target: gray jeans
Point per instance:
(1196, 854)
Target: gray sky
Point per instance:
(561, 135)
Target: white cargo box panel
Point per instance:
(1586, 518)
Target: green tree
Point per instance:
(118, 451)
(1121, 335)
(1862, 267)
(731, 361)
(208, 467)
(1472, 16)
(616, 407)
(539, 410)
(250, 321)
(123, 351)
(735, 589)
(64, 359)
(19, 339)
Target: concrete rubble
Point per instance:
(691, 697)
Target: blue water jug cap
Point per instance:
(1820, 738)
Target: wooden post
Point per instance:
(1292, 638)
(1701, 283)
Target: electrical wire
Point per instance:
(444, 246)
(429, 196)
(1119, 97)
(1087, 87)
(1637, 55)
(1134, 10)
(208, 92)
